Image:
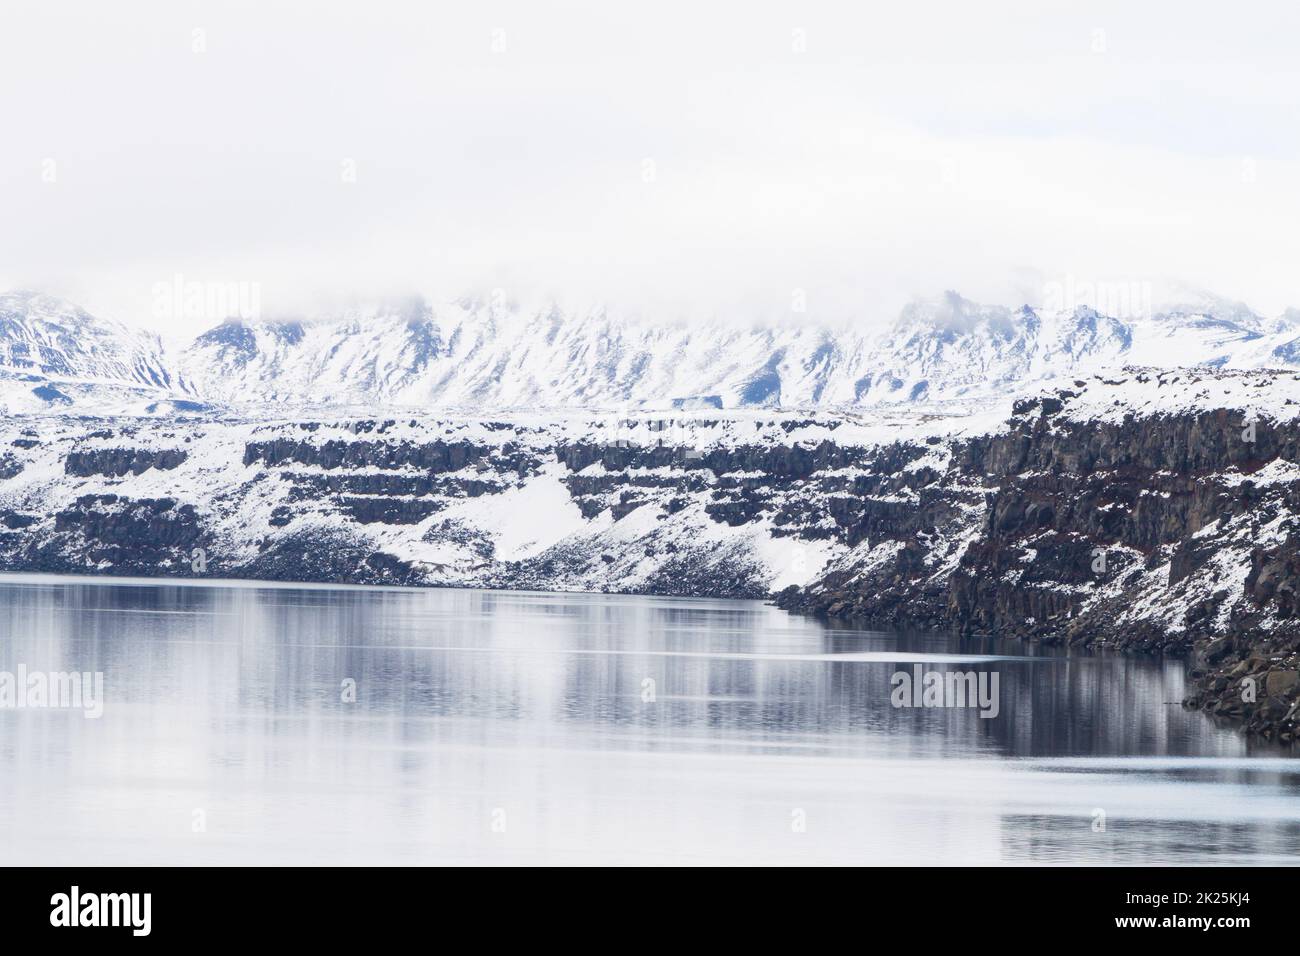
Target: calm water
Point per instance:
(506, 727)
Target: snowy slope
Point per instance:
(471, 355)
(467, 354)
(54, 354)
(953, 348)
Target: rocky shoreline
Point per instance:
(1245, 681)
(1172, 533)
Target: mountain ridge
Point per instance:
(473, 354)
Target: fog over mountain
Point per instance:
(693, 159)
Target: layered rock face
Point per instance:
(735, 506)
(1152, 511)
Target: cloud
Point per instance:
(673, 160)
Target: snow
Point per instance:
(1260, 396)
(525, 520)
(948, 356)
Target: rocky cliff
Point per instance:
(1153, 511)
(729, 506)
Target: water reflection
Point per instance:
(530, 728)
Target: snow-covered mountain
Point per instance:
(470, 354)
(54, 354)
(953, 348)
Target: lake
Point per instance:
(275, 724)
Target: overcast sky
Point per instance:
(672, 158)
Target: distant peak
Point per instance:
(950, 312)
